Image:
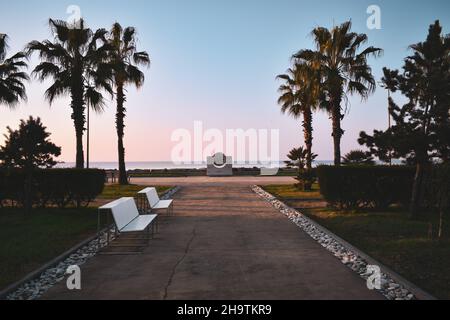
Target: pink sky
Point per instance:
(216, 62)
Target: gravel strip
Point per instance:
(389, 288)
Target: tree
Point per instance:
(298, 160)
(343, 71)
(29, 148)
(379, 144)
(421, 133)
(76, 61)
(358, 157)
(298, 98)
(12, 88)
(125, 59)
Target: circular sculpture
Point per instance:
(219, 165)
(220, 160)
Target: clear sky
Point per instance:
(214, 61)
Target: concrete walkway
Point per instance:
(224, 243)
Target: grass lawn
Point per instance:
(290, 192)
(390, 237)
(115, 191)
(27, 241)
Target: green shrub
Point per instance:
(353, 187)
(12, 185)
(438, 188)
(58, 187)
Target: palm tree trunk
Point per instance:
(307, 130)
(79, 121)
(337, 131)
(120, 115)
(80, 153)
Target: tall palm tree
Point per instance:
(12, 88)
(76, 61)
(298, 98)
(343, 70)
(124, 59)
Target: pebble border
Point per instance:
(390, 289)
(35, 288)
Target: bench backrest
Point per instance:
(114, 203)
(152, 196)
(124, 211)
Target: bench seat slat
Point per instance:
(163, 204)
(140, 223)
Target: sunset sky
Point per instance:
(214, 61)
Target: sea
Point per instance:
(160, 165)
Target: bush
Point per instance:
(353, 187)
(12, 186)
(59, 187)
(438, 187)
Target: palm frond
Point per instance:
(3, 45)
(135, 76)
(95, 99)
(141, 58)
(129, 35)
(57, 89)
(124, 59)
(12, 78)
(45, 69)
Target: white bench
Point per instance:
(154, 202)
(127, 219)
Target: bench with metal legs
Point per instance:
(151, 201)
(127, 221)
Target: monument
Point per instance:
(219, 165)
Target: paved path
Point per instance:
(213, 181)
(223, 243)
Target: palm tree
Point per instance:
(343, 71)
(12, 88)
(298, 160)
(75, 61)
(358, 157)
(298, 98)
(125, 59)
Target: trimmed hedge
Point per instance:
(437, 192)
(353, 187)
(58, 187)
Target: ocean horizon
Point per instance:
(161, 165)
